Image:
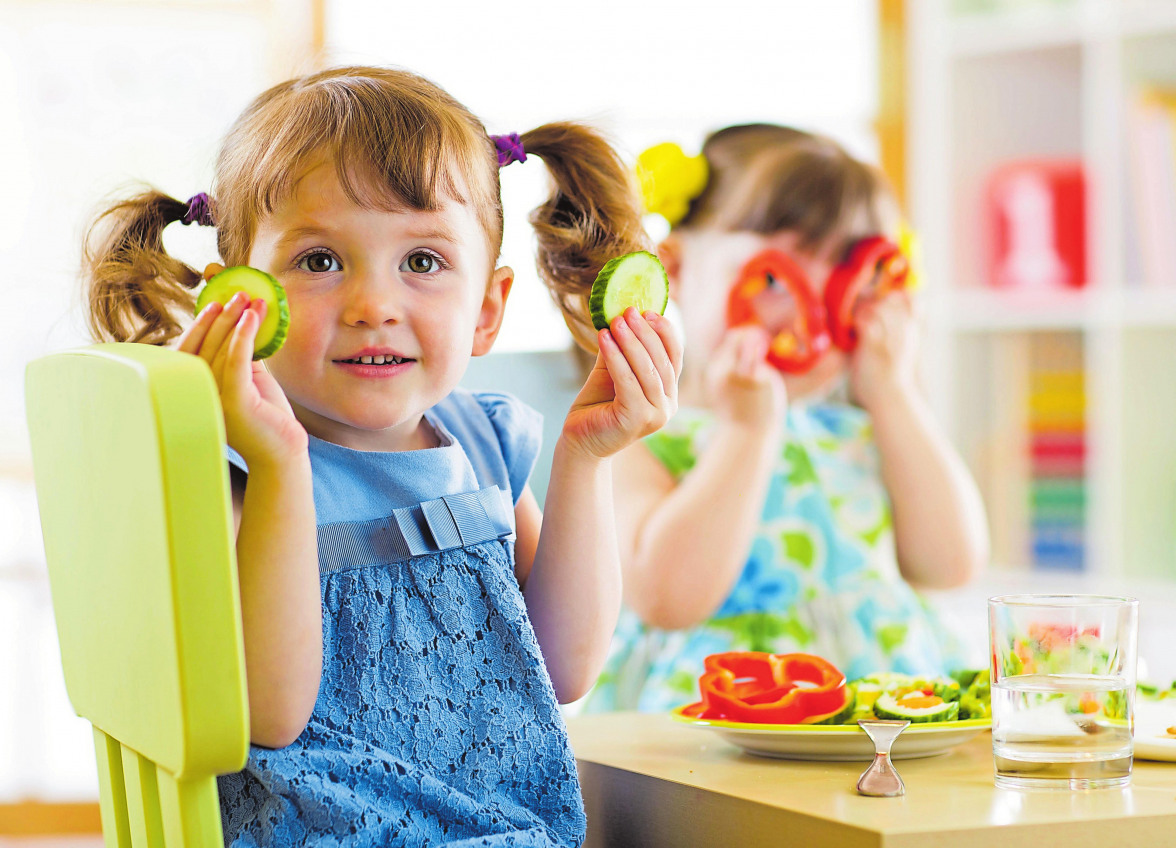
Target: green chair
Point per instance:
(133, 490)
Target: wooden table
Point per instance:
(649, 781)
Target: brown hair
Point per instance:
(766, 178)
(396, 140)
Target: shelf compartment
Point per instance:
(1021, 30)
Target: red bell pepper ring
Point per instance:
(875, 260)
(763, 688)
(774, 292)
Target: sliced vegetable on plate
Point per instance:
(800, 706)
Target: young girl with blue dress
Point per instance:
(411, 619)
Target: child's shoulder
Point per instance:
(493, 424)
(482, 413)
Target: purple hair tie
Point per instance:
(199, 211)
(510, 149)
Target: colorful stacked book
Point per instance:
(1057, 449)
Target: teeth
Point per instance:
(376, 360)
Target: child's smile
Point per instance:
(386, 308)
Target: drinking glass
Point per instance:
(1063, 689)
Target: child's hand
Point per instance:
(633, 388)
(259, 423)
(743, 388)
(887, 352)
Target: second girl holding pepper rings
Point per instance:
(803, 486)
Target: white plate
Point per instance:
(838, 742)
(1152, 718)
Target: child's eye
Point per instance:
(319, 262)
(422, 262)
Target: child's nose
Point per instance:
(373, 298)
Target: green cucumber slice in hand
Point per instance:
(635, 279)
(259, 286)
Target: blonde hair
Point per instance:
(766, 178)
(396, 140)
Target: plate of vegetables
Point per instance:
(800, 706)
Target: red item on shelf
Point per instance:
(1037, 210)
(1058, 445)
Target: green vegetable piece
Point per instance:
(259, 286)
(887, 706)
(965, 676)
(635, 279)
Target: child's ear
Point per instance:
(669, 251)
(493, 308)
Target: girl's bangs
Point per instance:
(375, 170)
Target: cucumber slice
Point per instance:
(259, 286)
(887, 706)
(635, 279)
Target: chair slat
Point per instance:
(191, 811)
(142, 800)
(112, 794)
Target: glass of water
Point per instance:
(1063, 689)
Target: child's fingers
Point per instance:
(219, 362)
(670, 340)
(192, 339)
(223, 325)
(753, 349)
(626, 388)
(638, 359)
(655, 346)
(237, 376)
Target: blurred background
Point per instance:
(1032, 141)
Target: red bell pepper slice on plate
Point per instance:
(762, 688)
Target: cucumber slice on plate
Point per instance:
(635, 279)
(259, 286)
(917, 707)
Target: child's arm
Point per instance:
(277, 552)
(685, 542)
(573, 585)
(940, 529)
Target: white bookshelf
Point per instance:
(1048, 80)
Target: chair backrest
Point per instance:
(133, 492)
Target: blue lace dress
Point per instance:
(436, 722)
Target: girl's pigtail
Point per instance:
(593, 215)
(135, 290)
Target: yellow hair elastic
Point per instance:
(908, 242)
(670, 180)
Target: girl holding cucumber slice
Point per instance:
(794, 499)
(411, 619)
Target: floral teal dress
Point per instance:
(822, 576)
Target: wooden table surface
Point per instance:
(649, 781)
